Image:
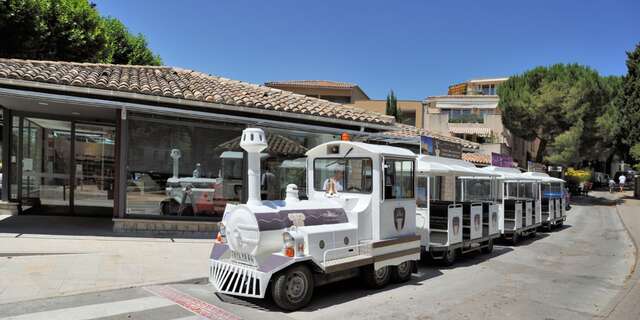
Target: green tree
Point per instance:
(68, 30)
(392, 107)
(562, 106)
(124, 48)
(50, 30)
(629, 111)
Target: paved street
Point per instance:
(573, 273)
(46, 256)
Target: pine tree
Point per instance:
(629, 115)
(392, 106)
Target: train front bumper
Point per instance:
(239, 278)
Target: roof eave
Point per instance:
(34, 86)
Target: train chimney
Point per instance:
(253, 141)
(175, 155)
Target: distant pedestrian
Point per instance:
(612, 185)
(621, 180)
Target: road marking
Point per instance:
(195, 305)
(97, 310)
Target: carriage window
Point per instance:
(433, 187)
(348, 175)
(398, 179)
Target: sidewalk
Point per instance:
(50, 256)
(626, 305)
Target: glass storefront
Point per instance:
(62, 166)
(186, 168)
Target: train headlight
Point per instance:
(289, 244)
(222, 233)
(293, 243)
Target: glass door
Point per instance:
(45, 165)
(94, 169)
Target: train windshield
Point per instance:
(353, 175)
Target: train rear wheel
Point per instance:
(449, 257)
(402, 272)
(293, 288)
(489, 247)
(375, 279)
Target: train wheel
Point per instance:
(514, 239)
(293, 288)
(402, 272)
(489, 247)
(375, 279)
(449, 257)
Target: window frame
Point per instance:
(384, 176)
(344, 178)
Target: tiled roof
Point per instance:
(478, 129)
(405, 131)
(276, 144)
(311, 84)
(178, 83)
(478, 158)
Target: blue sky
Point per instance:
(417, 48)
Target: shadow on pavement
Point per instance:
(345, 291)
(74, 226)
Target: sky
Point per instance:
(416, 48)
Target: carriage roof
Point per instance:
(439, 166)
(543, 177)
(360, 148)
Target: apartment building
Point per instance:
(470, 111)
(351, 95)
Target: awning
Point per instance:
(490, 105)
(439, 166)
(470, 128)
(543, 177)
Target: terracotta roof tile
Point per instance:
(182, 84)
(406, 131)
(478, 158)
(311, 84)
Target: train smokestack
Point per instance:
(253, 141)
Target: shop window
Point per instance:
(182, 168)
(284, 161)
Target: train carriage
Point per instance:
(465, 222)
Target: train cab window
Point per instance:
(353, 175)
(398, 179)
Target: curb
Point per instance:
(198, 280)
(628, 285)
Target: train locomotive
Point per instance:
(359, 220)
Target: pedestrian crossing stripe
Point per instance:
(192, 304)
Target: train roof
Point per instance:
(439, 166)
(543, 177)
(509, 174)
(361, 147)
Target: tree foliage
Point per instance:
(392, 106)
(68, 30)
(565, 107)
(629, 111)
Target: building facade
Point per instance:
(470, 111)
(351, 95)
(153, 147)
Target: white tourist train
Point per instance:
(553, 203)
(467, 220)
(359, 221)
(364, 217)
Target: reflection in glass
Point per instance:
(94, 167)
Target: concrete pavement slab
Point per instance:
(38, 263)
(627, 303)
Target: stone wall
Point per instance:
(177, 228)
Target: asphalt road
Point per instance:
(572, 273)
